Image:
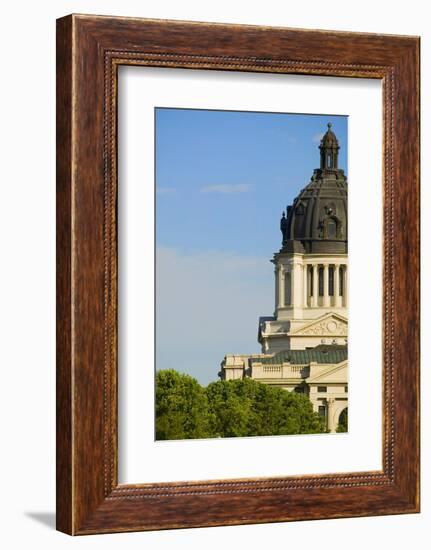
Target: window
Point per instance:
(321, 389)
(329, 161)
(322, 411)
(332, 229)
(299, 389)
(346, 389)
(331, 281)
(287, 289)
(300, 209)
(320, 281)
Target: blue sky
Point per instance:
(222, 181)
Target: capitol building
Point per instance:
(304, 344)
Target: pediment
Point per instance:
(330, 375)
(328, 325)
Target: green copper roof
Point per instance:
(319, 354)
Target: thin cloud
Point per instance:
(317, 137)
(227, 188)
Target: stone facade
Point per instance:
(304, 344)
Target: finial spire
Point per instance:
(329, 150)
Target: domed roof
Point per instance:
(316, 221)
(329, 139)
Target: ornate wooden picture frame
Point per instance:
(89, 51)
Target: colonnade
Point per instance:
(311, 285)
(325, 285)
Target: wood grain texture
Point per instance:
(64, 495)
(90, 49)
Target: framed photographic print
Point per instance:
(237, 274)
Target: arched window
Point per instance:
(329, 161)
(299, 209)
(332, 229)
(287, 289)
(343, 421)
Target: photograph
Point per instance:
(214, 235)
(251, 273)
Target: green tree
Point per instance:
(234, 408)
(181, 407)
(240, 408)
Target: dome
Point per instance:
(329, 139)
(316, 221)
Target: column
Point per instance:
(305, 284)
(337, 285)
(315, 286)
(276, 287)
(330, 415)
(325, 285)
(280, 286)
(297, 292)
